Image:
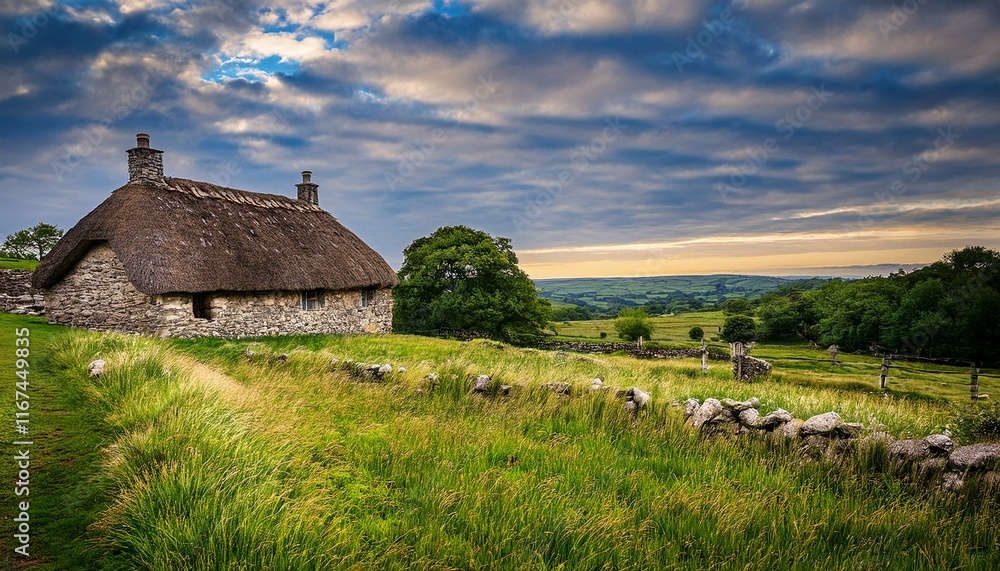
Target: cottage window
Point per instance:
(201, 306)
(312, 299)
(367, 297)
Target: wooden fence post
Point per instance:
(640, 341)
(738, 351)
(704, 355)
(886, 361)
(975, 382)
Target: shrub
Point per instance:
(633, 324)
(696, 333)
(604, 334)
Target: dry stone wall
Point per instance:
(17, 295)
(934, 459)
(96, 294)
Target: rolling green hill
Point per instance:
(676, 293)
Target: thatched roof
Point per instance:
(197, 237)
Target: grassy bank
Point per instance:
(202, 458)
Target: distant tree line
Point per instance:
(949, 309)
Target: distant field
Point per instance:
(601, 292)
(799, 362)
(672, 329)
(13, 264)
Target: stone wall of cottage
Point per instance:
(17, 295)
(96, 294)
(238, 314)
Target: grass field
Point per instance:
(670, 329)
(801, 363)
(188, 455)
(12, 264)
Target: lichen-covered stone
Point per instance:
(740, 406)
(481, 384)
(939, 444)
(790, 429)
(821, 424)
(750, 417)
(639, 396)
(975, 457)
(773, 419)
(96, 368)
(849, 430)
(706, 412)
(691, 406)
(908, 451)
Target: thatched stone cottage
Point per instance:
(176, 257)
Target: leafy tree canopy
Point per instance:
(32, 243)
(462, 280)
(738, 306)
(739, 329)
(947, 309)
(633, 324)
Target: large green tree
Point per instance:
(739, 329)
(32, 243)
(633, 323)
(460, 280)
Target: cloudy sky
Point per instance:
(647, 137)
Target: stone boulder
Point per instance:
(738, 407)
(939, 444)
(635, 399)
(790, 429)
(96, 368)
(691, 406)
(559, 388)
(750, 418)
(774, 419)
(848, 430)
(975, 458)
(706, 412)
(822, 424)
(481, 384)
(908, 451)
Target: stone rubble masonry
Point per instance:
(96, 294)
(145, 165)
(17, 295)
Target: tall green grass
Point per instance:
(213, 460)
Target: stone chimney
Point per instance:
(145, 164)
(308, 189)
